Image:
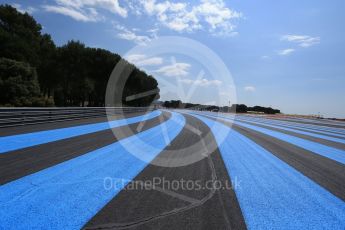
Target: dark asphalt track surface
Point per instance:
(7, 131)
(19, 163)
(328, 173)
(159, 207)
(204, 209)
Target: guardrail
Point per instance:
(24, 116)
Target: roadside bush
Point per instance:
(19, 85)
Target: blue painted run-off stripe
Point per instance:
(317, 129)
(69, 194)
(313, 128)
(272, 194)
(21, 141)
(323, 150)
(334, 139)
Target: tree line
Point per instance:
(238, 108)
(36, 72)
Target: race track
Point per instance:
(174, 170)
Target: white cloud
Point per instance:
(249, 88)
(131, 35)
(172, 15)
(302, 40)
(285, 52)
(86, 10)
(143, 60)
(75, 14)
(211, 15)
(177, 69)
(217, 15)
(22, 9)
(265, 57)
(201, 82)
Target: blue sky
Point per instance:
(285, 54)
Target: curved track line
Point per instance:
(21, 141)
(77, 196)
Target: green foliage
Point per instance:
(19, 85)
(177, 104)
(238, 108)
(20, 36)
(139, 82)
(267, 110)
(244, 109)
(71, 75)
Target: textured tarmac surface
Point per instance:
(270, 174)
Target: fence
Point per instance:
(23, 116)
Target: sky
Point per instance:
(286, 54)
